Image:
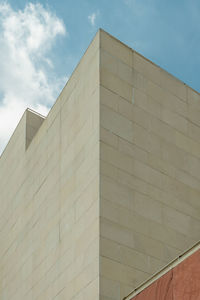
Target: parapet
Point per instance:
(33, 122)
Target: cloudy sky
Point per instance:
(41, 43)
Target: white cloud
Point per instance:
(92, 18)
(27, 78)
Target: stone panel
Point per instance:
(149, 174)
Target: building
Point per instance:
(104, 192)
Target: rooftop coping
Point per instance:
(163, 271)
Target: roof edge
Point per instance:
(163, 271)
(150, 61)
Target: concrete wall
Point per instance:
(150, 168)
(49, 196)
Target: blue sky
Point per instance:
(166, 32)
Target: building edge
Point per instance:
(179, 259)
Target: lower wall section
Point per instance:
(180, 283)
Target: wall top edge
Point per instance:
(36, 113)
(164, 270)
(56, 100)
(98, 32)
(148, 60)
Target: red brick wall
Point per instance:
(180, 283)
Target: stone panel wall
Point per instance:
(49, 199)
(150, 168)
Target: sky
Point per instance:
(41, 43)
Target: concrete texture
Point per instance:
(105, 191)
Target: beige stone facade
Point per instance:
(106, 190)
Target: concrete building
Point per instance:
(104, 191)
